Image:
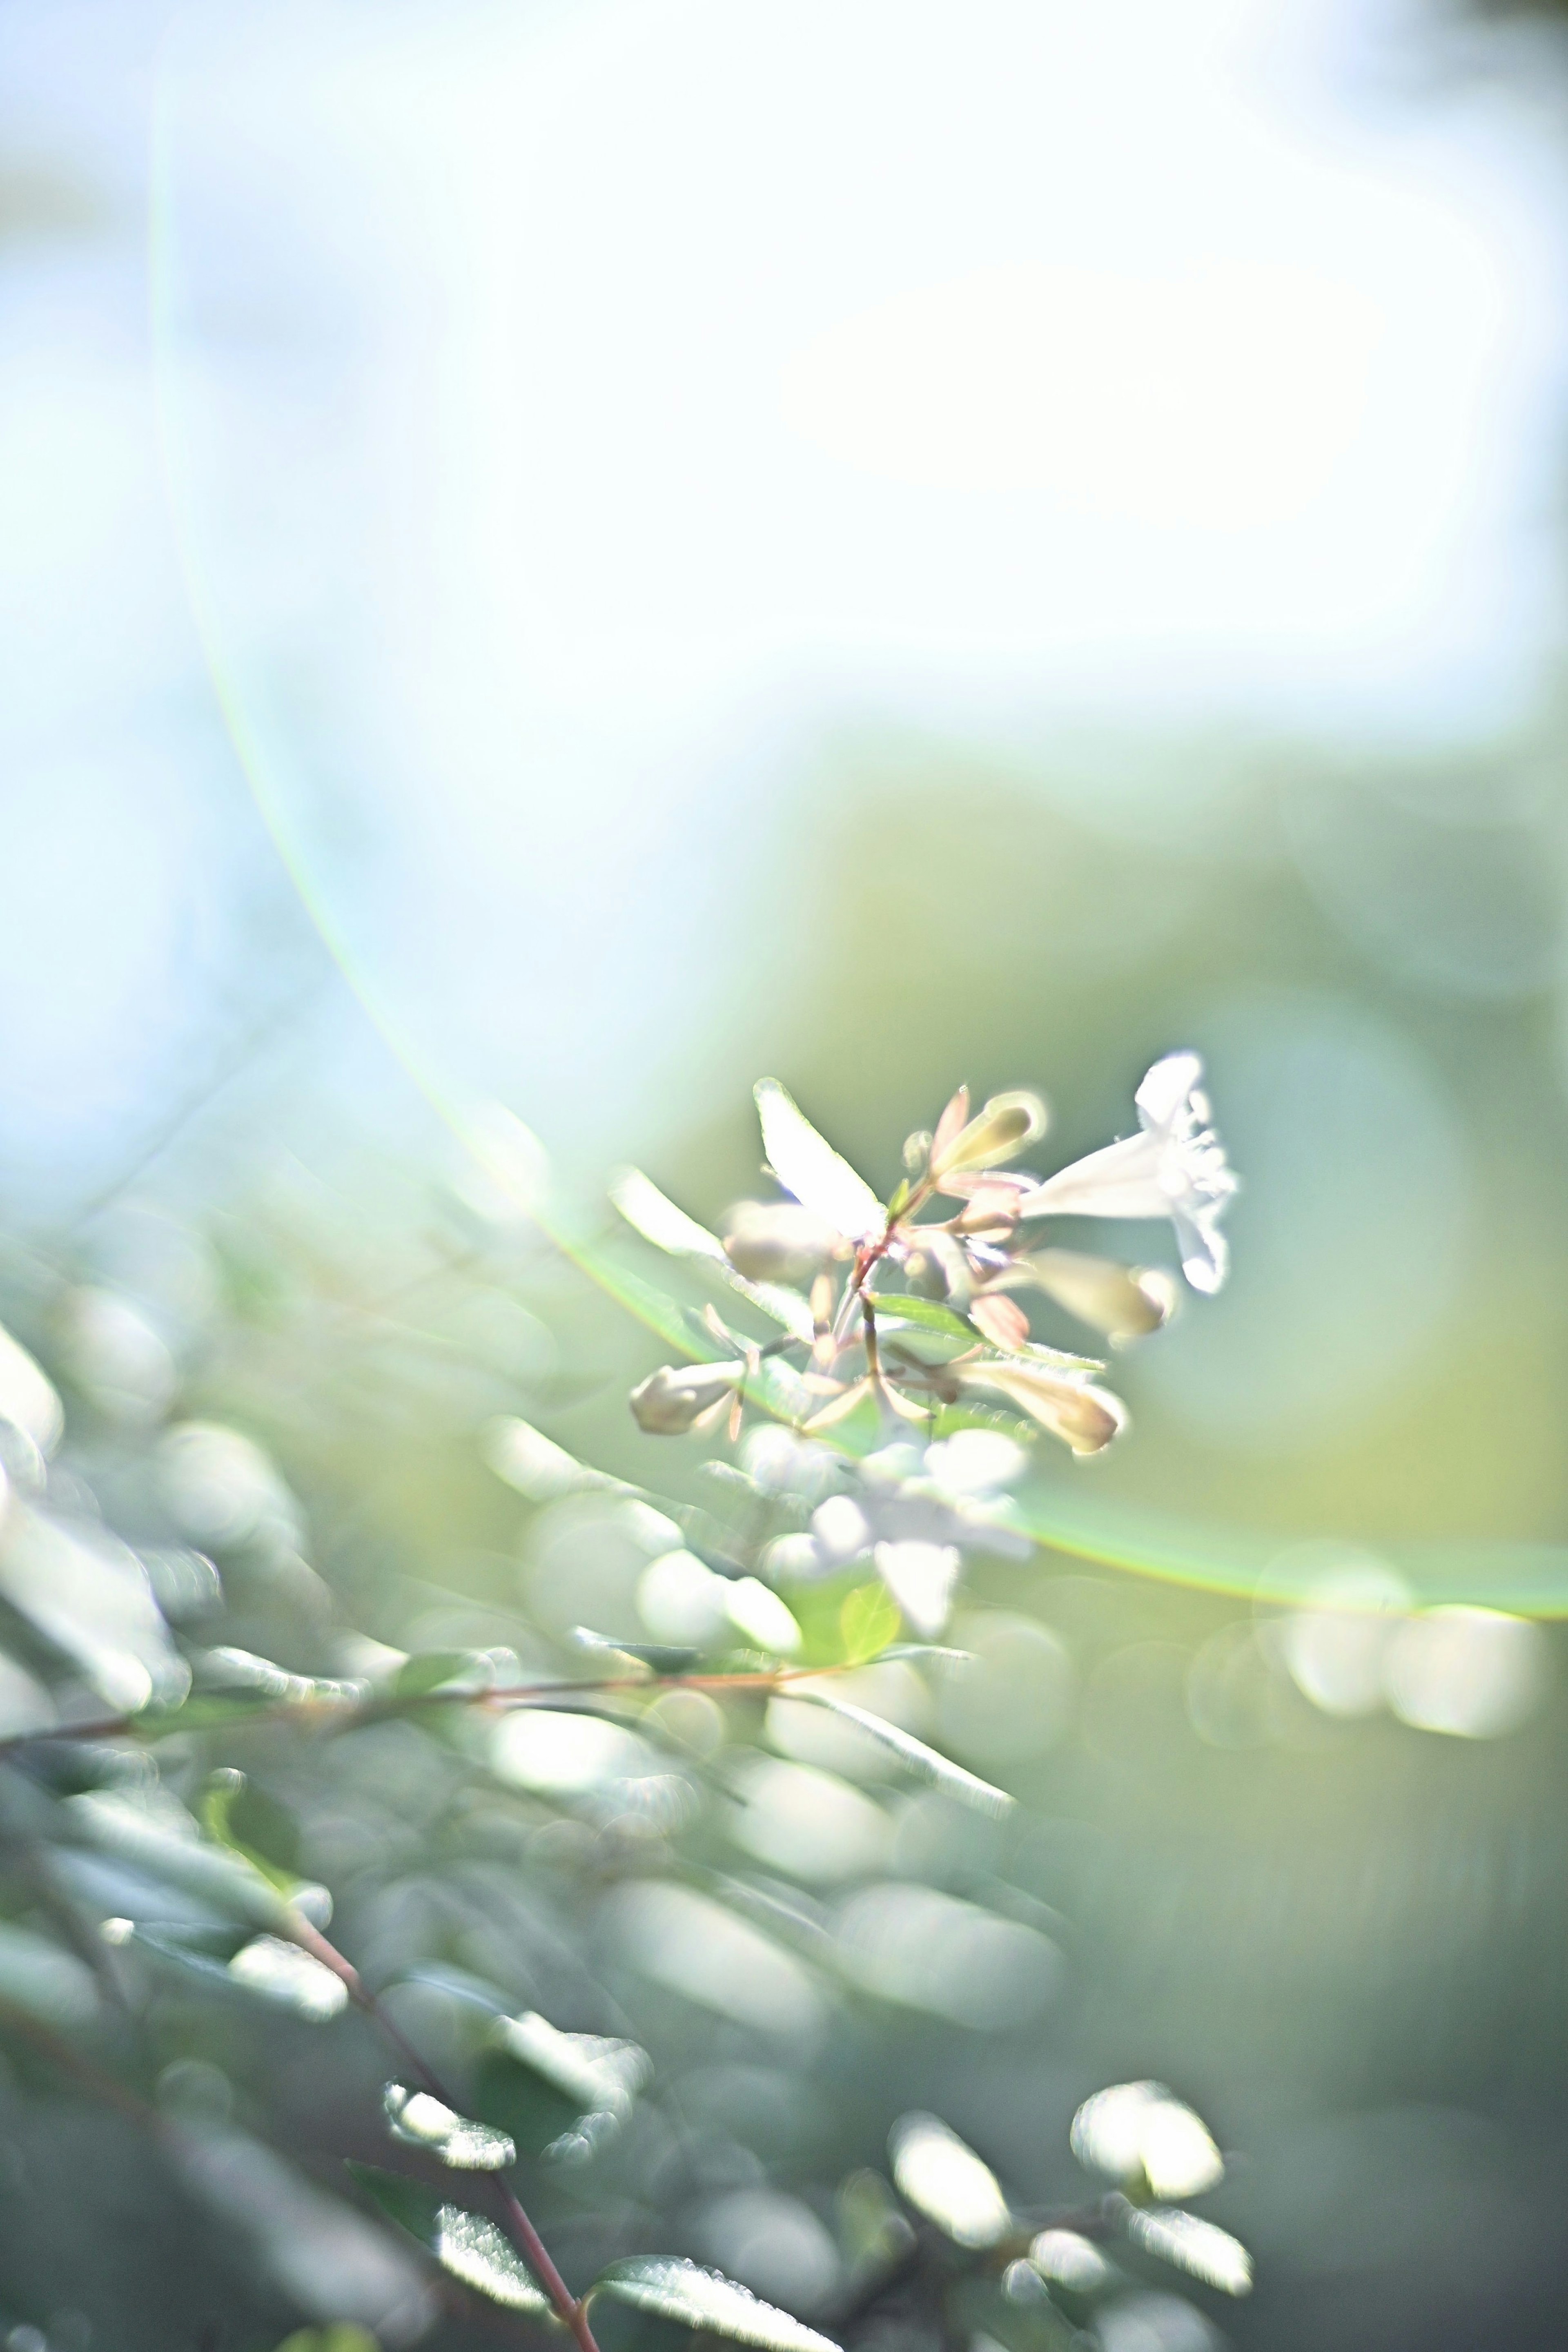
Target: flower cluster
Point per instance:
(902, 1311)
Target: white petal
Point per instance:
(1121, 1180)
(1165, 1088)
(808, 1166)
(1204, 1253)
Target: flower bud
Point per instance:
(1124, 1302)
(1002, 1320)
(673, 1398)
(1083, 1417)
(1004, 1127)
(916, 1150)
(775, 1241)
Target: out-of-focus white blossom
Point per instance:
(921, 1577)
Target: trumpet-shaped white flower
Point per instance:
(1174, 1167)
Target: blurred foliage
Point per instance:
(1237, 1864)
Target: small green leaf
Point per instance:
(929, 1314)
(1200, 2248)
(185, 1954)
(279, 1971)
(434, 1669)
(547, 2088)
(943, 2178)
(701, 2299)
(900, 1199)
(938, 1771)
(464, 2243)
(653, 1214)
(868, 1620)
(410, 2203)
(229, 1881)
(223, 1793)
(425, 2122)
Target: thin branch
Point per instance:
(349, 1715)
(571, 2310)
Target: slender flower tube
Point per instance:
(1174, 1167)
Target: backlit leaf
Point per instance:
(946, 2180)
(651, 1213)
(929, 1314)
(1200, 2248)
(434, 1669)
(471, 2247)
(226, 1879)
(425, 2122)
(694, 2297)
(669, 1228)
(868, 1620)
(938, 1771)
(281, 1972)
(807, 1165)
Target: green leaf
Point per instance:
(279, 1971)
(596, 2071)
(562, 2093)
(938, 1771)
(929, 1314)
(809, 1167)
(868, 1620)
(36, 1976)
(669, 1228)
(703, 2299)
(464, 2243)
(422, 2121)
(943, 2178)
(230, 1882)
(651, 1213)
(1200, 2248)
(223, 1793)
(185, 1954)
(434, 1669)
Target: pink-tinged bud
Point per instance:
(673, 1398)
(1002, 1320)
(1083, 1417)
(949, 1125)
(1124, 1302)
(776, 1240)
(1008, 1123)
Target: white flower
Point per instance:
(1175, 1168)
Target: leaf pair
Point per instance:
(471, 2248)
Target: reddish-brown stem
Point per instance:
(568, 2309)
